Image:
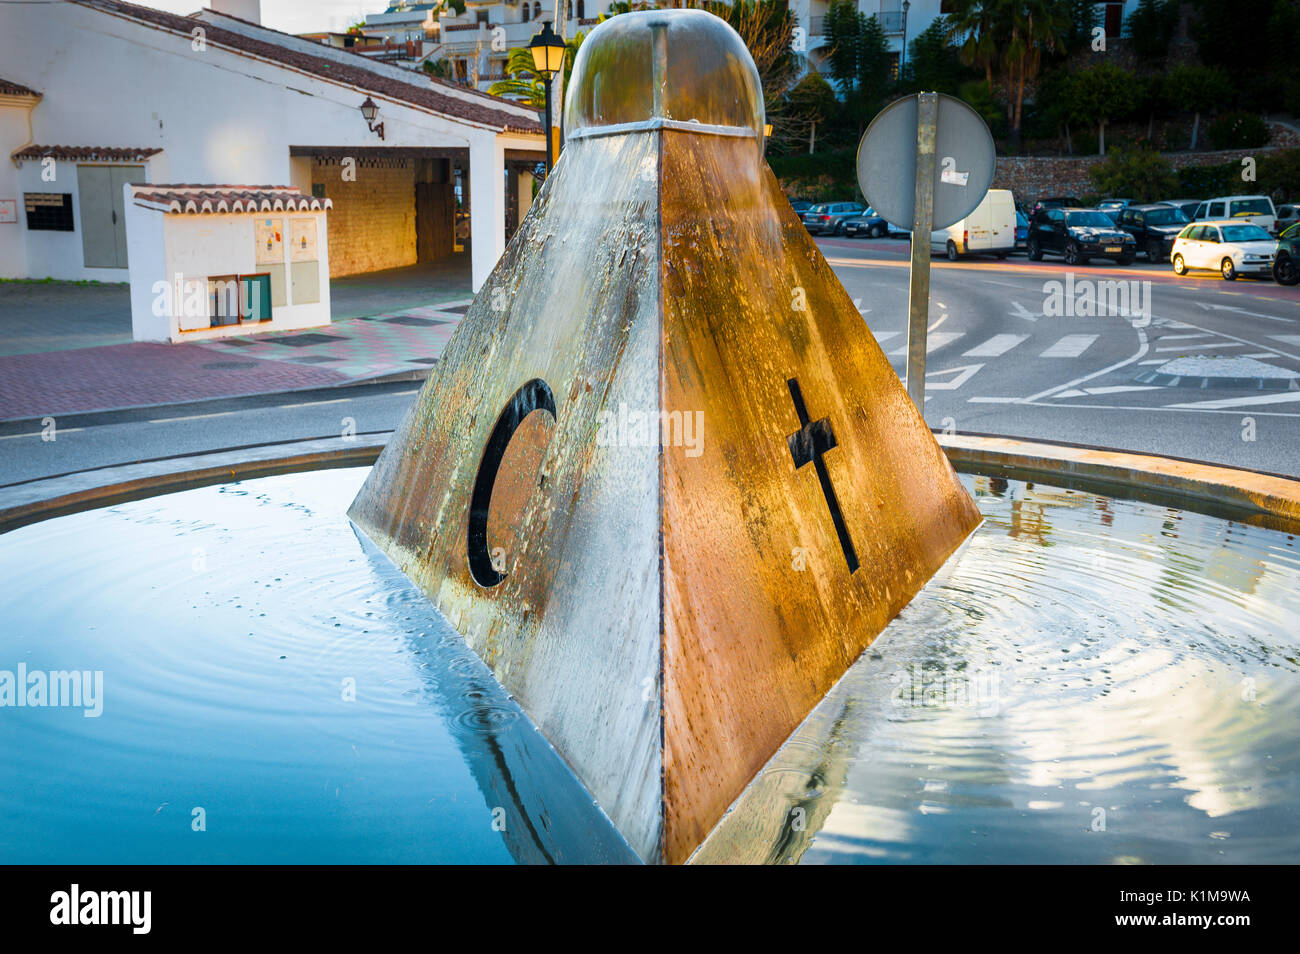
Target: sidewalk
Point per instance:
(403, 343)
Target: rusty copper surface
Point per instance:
(669, 612)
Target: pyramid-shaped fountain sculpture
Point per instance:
(663, 480)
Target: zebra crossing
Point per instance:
(1170, 340)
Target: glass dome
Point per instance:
(709, 76)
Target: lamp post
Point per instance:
(369, 110)
(902, 53)
(548, 59)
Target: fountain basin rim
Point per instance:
(1252, 497)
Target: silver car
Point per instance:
(828, 217)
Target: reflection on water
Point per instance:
(1090, 680)
(265, 665)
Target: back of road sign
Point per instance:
(663, 480)
(963, 152)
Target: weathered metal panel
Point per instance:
(573, 629)
(762, 613)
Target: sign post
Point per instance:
(918, 298)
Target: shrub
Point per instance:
(1238, 131)
(1142, 174)
(1201, 182)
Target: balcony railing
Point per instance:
(891, 21)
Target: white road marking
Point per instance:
(885, 335)
(1253, 344)
(190, 417)
(1120, 388)
(58, 432)
(1179, 337)
(1241, 311)
(1155, 361)
(932, 342)
(1020, 311)
(996, 346)
(1261, 354)
(1203, 347)
(1292, 340)
(963, 374)
(994, 400)
(1071, 346)
(994, 281)
(1141, 352)
(1277, 397)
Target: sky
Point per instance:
(292, 16)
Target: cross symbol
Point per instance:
(808, 445)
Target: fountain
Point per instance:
(662, 564)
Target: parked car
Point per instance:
(989, 230)
(1055, 202)
(1154, 228)
(1185, 206)
(800, 205)
(866, 224)
(1286, 257)
(828, 217)
(1229, 246)
(1287, 216)
(1256, 209)
(1022, 231)
(1113, 207)
(1078, 235)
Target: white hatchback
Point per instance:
(1227, 247)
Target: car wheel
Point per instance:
(1072, 256)
(1226, 270)
(1180, 267)
(877, 231)
(952, 250)
(1285, 271)
(1153, 251)
(1034, 251)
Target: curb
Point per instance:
(1188, 381)
(1267, 499)
(1212, 488)
(37, 500)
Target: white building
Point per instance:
(96, 94)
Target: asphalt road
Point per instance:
(999, 363)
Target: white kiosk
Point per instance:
(209, 261)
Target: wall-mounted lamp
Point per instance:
(369, 110)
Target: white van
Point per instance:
(1255, 209)
(989, 230)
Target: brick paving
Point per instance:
(137, 374)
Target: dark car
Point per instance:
(1078, 235)
(1022, 231)
(828, 217)
(1055, 202)
(800, 205)
(1286, 261)
(1185, 206)
(866, 224)
(1154, 228)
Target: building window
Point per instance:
(527, 12)
(1114, 20)
(537, 11)
(481, 16)
(49, 211)
(582, 9)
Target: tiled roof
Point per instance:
(211, 199)
(89, 153)
(487, 110)
(15, 89)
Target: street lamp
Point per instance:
(369, 110)
(548, 59)
(902, 53)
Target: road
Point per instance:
(1000, 361)
(998, 364)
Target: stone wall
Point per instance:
(372, 224)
